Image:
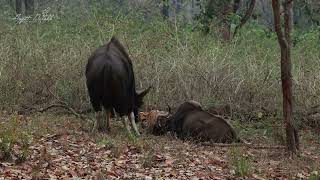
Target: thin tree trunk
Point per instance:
(29, 6)
(165, 9)
(286, 77)
(236, 5)
(225, 29)
(177, 5)
(288, 22)
(18, 6)
(246, 17)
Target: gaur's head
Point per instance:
(139, 95)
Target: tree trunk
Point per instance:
(246, 17)
(284, 40)
(18, 6)
(236, 5)
(177, 4)
(226, 26)
(165, 9)
(29, 4)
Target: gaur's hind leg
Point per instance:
(101, 123)
(126, 123)
(108, 117)
(133, 123)
(95, 99)
(115, 114)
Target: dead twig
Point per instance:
(242, 145)
(65, 105)
(50, 107)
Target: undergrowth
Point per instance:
(42, 59)
(241, 164)
(14, 140)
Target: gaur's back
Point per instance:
(204, 126)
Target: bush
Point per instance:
(179, 63)
(241, 164)
(14, 140)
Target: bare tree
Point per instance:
(165, 8)
(246, 17)
(284, 40)
(28, 4)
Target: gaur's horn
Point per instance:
(144, 92)
(169, 108)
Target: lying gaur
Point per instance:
(190, 121)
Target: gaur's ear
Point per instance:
(144, 92)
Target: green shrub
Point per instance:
(14, 140)
(241, 164)
(314, 175)
(180, 63)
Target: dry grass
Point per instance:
(179, 63)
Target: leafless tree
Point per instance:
(28, 4)
(284, 40)
(246, 17)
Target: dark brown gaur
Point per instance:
(190, 121)
(111, 85)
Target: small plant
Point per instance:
(242, 166)
(116, 151)
(314, 176)
(147, 159)
(241, 163)
(14, 140)
(105, 142)
(132, 138)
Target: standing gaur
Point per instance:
(111, 84)
(190, 121)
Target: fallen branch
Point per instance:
(65, 105)
(242, 145)
(50, 107)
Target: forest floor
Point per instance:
(61, 147)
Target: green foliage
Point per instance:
(242, 164)
(132, 138)
(105, 142)
(302, 37)
(310, 9)
(179, 61)
(314, 176)
(14, 140)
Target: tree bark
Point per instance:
(165, 9)
(18, 6)
(226, 27)
(284, 40)
(29, 4)
(246, 17)
(236, 5)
